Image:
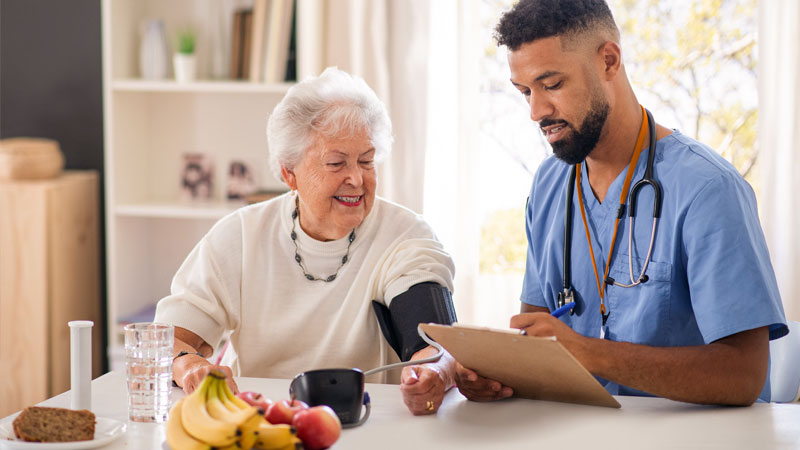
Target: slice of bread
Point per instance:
(41, 424)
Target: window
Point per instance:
(692, 63)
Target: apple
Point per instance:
(283, 411)
(318, 427)
(255, 399)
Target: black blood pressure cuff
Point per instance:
(421, 303)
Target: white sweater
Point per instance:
(242, 277)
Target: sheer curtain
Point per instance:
(460, 182)
(422, 58)
(451, 183)
(779, 142)
(386, 43)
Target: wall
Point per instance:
(51, 82)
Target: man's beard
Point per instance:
(574, 148)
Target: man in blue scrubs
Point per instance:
(698, 329)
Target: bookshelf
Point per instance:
(150, 124)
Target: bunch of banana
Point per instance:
(213, 418)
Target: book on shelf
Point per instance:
(240, 41)
(291, 59)
(280, 29)
(236, 42)
(247, 40)
(258, 40)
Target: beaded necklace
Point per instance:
(299, 259)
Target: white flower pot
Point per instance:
(185, 67)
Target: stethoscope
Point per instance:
(567, 294)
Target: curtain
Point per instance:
(422, 59)
(386, 43)
(452, 182)
(779, 142)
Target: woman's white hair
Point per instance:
(334, 104)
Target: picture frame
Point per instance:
(197, 177)
(242, 179)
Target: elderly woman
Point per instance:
(293, 279)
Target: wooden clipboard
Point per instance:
(536, 368)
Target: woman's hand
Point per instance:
(423, 385)
(189, 371)
(423, 388)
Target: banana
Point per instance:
(294, 444)
(218, 410)
(177, 437)
(234, 446)
(274, 437)
(241, 404)
(249, 431)
(227, 401)
(197, 421)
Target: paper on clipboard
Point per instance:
(536, 368)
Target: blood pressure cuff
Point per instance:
(421, 303)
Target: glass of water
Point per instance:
(148, 369)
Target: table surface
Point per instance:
(651, 423)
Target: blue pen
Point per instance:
(563, 310)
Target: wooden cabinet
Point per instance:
(49, 275)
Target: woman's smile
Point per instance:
(348, 200)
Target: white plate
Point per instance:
(105, 431)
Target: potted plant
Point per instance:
(184, 60)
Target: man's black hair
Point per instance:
(530, 20)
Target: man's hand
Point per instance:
(543, 324)
(478, 388)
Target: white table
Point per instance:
(642, 423)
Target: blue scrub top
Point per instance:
(710, 274)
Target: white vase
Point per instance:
(153, 53)
(185, 67)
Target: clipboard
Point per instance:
(535, 367)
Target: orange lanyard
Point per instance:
(620, 212)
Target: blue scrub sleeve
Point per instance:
(531, 288)
(731, 281)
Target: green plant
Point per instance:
(186, 41)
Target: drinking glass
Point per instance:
(148, 369)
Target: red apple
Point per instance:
(255, 399)
(318, 427)
(283, 411)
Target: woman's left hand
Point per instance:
(423, 388)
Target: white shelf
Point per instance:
(201, 86)
(149, 125)
(168, 210)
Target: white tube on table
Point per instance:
(80, 357)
